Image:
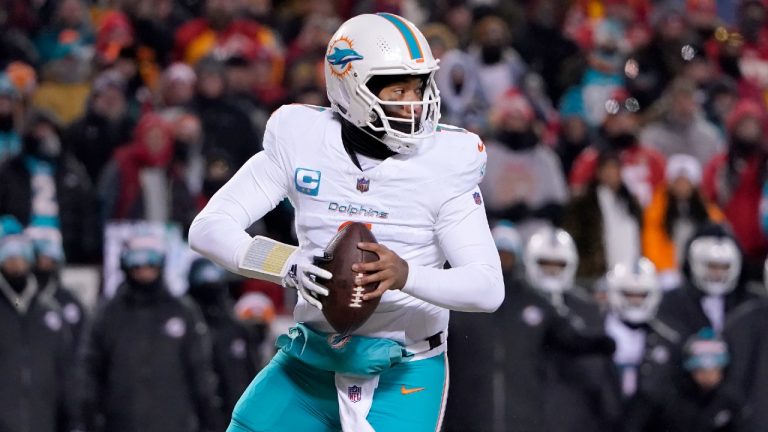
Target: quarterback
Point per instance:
(378, 156)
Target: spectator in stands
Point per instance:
(221, 33)
(734, 180)
(219, 168)
(49, 259)
(147, 360)
(543, 45)
(578, 393)
(242, 78)
(67, 51)
(36, 365)
(225, 125)
(682, 129)
(10, 111)
(697, 400)
(460, 90)
(645, 346)
(233, 352)
(573, 138)
(185, 171)
(143, 181)
(316, 28)
(105, 126)
(15, 28)
(523, 181)
(498, 66)
(113, 34)
(714, 283)
(24, 77)
(176, 87)
(69, 34)
(138, 75)
(603, 75)
(155, 22)
(678, 210)
(721, 99)
(606, 221)
(188, 162)
(642, 169)
(753, 59)
(46, 188)
(660, 61)
(256, 311)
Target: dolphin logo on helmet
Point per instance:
(342, 56)
(385, 45)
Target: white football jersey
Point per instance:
(400, 199)
(425, 206)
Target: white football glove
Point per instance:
(302, 276)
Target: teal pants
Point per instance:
(289, 395)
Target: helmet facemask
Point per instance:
(715, 265)
(369, 47)
(401, 134)
(551, 261)
(633, 291)
(636, 306)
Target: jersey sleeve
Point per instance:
(218, 231)
(474, 283)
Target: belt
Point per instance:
(427, 344)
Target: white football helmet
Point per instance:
(551, 260)
(381, 44)
(715, 264)
(633, 291)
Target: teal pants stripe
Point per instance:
(290, 395)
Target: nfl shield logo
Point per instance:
(478, 198)
(363, 184)
(355, 393)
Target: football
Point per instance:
(344, 307)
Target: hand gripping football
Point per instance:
(344, 307)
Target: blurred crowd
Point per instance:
(626, 183)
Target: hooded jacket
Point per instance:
(35, 365)
(147, 366)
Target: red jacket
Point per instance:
(642, 170)
(740, 205)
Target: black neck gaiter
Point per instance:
(357, 141)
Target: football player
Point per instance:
(634, 295)
(376, 156)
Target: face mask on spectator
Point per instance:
(518, 140)
(491, 53)
(745, 144)
(46, 148)
(621, 140)
(181, 151)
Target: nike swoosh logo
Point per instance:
(407, 391)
